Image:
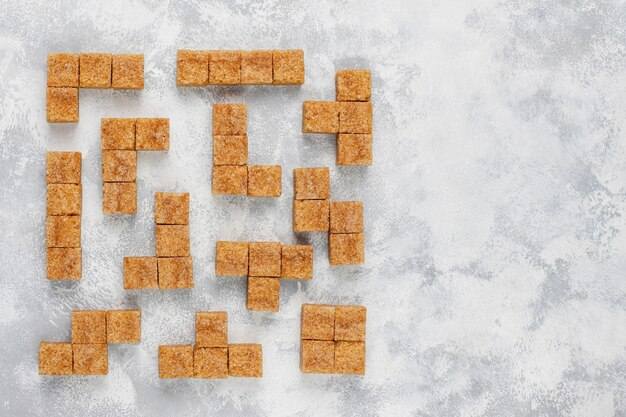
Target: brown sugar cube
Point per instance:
(192, 68)
(63, 231)
(350, 323)
(175, 361)
(172, 240)
(346, 248)
(297, 262)
(264, 181)
(230, 150)
(231, 258)
(127, 72)
(320, 117)
(350, 358)
(230, 179)
(119, 166)
(355, 117)
(64, 199)
(346, 217)
(62, 104)
(288, 66)
(353, 85)
(175, 273)
(265, 259)
(311, 183)
(354, 149)
(310, 215)
(210, 362)
(95, 70)
(118, 134)
(152, 134)
(63, 167)
(245, 360)
(317, 356)
(263, 294)
(318, 322)
(140, 273)
(225, 67)
(64, 263)
(123, 326)
(91, 359)
(119, 198)
(55, 359)
(171, 208)
(62, 70)
(230, 119)
(211, 329)
(256, 67)
(89, 326)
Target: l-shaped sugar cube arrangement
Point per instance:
(332, 337)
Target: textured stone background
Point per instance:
(495, 208)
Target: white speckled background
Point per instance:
(495, 209)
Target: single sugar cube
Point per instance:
(140, 273)
(317, 356)
(311, 183)
(256, 67)
(225, 67)
(91, 359)
(318, 322)
(350, 323)
(288, 66)
(192, 68)
(63, 70)
(119, 198)
(245, 360)
(63, 231)
(346, 217)
(350, 358)
(354, 149)
(265, 259)
(263, 294)
(320, 117)
(172, 240)
(123, 326)
(171, 208)
(55, 359)
(95, 70)
(175, 273)
(89, 326)
(119, 166)
(230, 119)
(210, 362)
(264, 181)
(152, 134)
(353, 85)
(231, 258)
(117, 134)
(355, 117)
(346, 248)
(62, 104)
(310, 215)
(64, 199)
(211, 329)
(175, 361)
(230, 180)
(64, 263)
(230, 150)
(127, 72)
(63, 167)
(297, 262)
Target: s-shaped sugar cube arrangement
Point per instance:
(332, 337)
